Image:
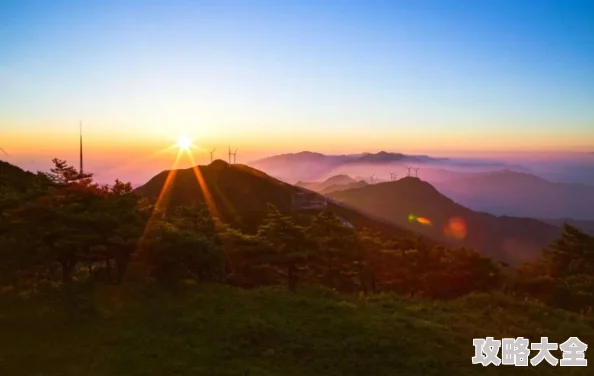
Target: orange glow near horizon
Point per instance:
(134, 143)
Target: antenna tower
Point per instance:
(80, 171)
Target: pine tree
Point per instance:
(288, 240)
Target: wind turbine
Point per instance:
(211, 153)
(393, 176)
(416, 171)
(230, 154)
(409, 168)
(234, 155)
(371, 178)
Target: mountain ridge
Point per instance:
(514, 193)
(307, 165)
(509, 239)
(241, 194)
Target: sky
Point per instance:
(439, 77)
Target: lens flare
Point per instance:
(421, 220)
(456, 228)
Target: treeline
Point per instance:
(63, 227)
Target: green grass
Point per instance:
(219, 330)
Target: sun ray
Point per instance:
(208, 197)
(210, 203)
(160, 199)
(205, 191)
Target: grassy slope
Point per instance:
(220, 330)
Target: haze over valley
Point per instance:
(496, 187)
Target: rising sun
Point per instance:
(184, 143)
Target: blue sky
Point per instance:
(379, 74)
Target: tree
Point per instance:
(73, 221)
(248, 257)
(336, 242)
(173, 254)
(369, 244)
(121, 226)
(64, 174)
(571, 254)
(288, 240)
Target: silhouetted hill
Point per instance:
(520, 194)
(14, 177)
(339, 179)
(342, 187)
(503, 238)
(238, 192)
(241, 193)
(333, 180)
(311, 185)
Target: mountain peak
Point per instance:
(307, 152)
(509, 239)
(418, 186)
(339, 179)
(218, 164)
(383, 157)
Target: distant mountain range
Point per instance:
(519, 194)
(418, 206)
(501, 192)
(308, 165)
